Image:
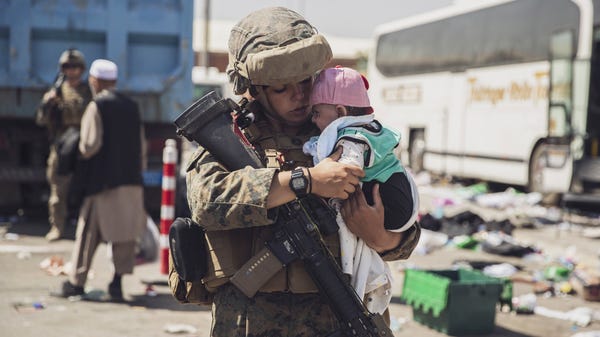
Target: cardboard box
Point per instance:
(586, 283)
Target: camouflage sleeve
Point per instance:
(408, 243)
(41, 115)
(223, 200)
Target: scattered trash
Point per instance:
(54, 265)
(28, 307)
(150, 291)
(524, 304)
(556, 273)
(465, 242)
(510, 197)
(592, 233)
(586, 283)
(430, 241)
(503, 244)
(179, 328)
(23, 255)
(543, 287)
(396, 323)
(581, 316)
(501, 270)
(565, 287)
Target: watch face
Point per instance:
(298, 183)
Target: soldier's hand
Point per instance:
(50, 95)
(331, 179)
(50, 99)
(367, 222)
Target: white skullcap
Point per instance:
(104, 69)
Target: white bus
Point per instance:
(505, 91)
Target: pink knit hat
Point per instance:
(341, 85)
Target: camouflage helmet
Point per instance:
(274, 46)
(71, 56)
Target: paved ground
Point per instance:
(28, 311)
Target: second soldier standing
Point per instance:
(62, 107)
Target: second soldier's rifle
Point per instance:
(297, 232)
(55, 118)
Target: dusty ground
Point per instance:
(28, 311)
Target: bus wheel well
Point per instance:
(535, 181)
(416, 149)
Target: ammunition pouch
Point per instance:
(187, 292)
(188, 262)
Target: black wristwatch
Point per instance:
(299, 183)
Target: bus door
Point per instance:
(592, 147)
(587, 177)
(551, 168)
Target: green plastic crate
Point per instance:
(455, 302)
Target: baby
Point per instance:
(342, 111)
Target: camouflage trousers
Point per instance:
(270, 315)
(59, 191)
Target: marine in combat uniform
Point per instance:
(232, 206)
(60, 109)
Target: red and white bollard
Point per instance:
(167, 206)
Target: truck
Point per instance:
(150, 41)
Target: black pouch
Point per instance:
(188, 262)
(187, 246)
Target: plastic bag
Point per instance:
(148, 243)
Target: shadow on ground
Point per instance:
(164, 301)
(37, 228)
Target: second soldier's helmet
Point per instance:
(274, 46)
(71, 56)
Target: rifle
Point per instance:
(297, 233)
(297, 236)
(55, 119)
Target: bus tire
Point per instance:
(536, 166)
(536, 175)
(416, 150)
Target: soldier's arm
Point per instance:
(42, 113)
(329, 179)
(221, 200)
